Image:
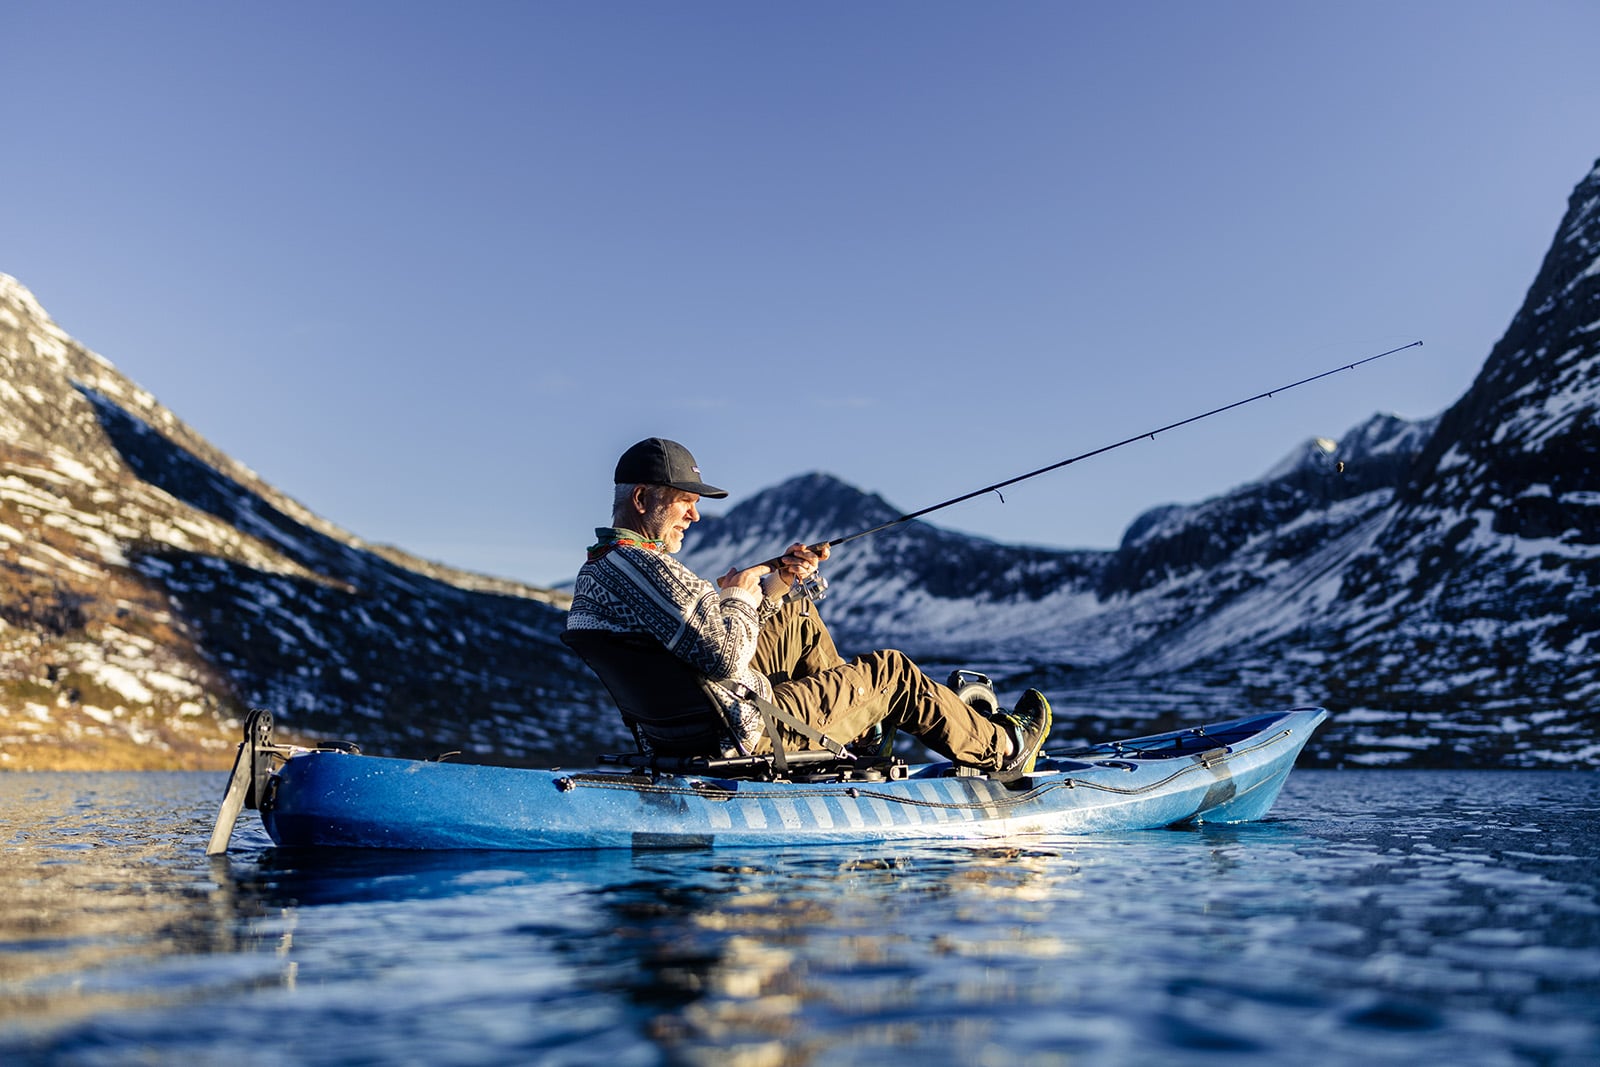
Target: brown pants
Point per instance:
(844, 700)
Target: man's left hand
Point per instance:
(800, 562)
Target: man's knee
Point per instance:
(887, 663)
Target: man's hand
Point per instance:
(800, 562)
(748, 579)
(775, 577)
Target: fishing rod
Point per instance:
(1148, 434)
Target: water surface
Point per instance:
(1377, 917)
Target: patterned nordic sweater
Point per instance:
(633, 589)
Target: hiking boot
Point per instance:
(1029, 724)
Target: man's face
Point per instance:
(668, 513)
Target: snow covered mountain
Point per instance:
(1436, 584)
(151, 589)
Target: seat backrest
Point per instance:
(660, 696)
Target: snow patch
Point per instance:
(121, 681)
(100, 715)
(74, 469)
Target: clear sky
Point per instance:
(430, 267)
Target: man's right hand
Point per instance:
(748, 579)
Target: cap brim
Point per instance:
(700, 489)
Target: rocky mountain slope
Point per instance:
(1434, 583)
(151, 588)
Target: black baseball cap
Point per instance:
(657, 461)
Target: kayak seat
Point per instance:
(677, 719)
(667, 705)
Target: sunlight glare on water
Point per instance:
(1376, 917)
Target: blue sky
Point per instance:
(429, 268)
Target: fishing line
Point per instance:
(1150, 434)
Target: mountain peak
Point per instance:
(1532, 416)
(1316, 453)
(1380, 437)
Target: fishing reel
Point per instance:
(813, 589)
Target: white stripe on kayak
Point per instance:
(881, 810)
(788, 814)
(851, 809)
(914, 815)
(990, 808)
(820, 814)
(962, 794)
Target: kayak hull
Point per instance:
(1225, 772)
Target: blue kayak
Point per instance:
(1220, 773)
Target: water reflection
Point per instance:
(741, 966)
(1381, 917)
(724, 956)
(90, 894)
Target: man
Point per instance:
(743, 629)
